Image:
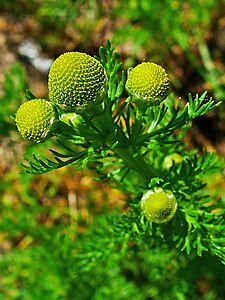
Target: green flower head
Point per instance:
(75, 80)
(148, 83)
(34, 119)
(159, 206)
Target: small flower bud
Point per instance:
(34, 119)
(75, 80)
(159, 206)
(148, 84)
(69, 118)
(171, 159)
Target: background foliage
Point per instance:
(45, 221)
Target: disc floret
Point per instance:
(159, 205)
(148, 84)
(34, 119)
(76, 80)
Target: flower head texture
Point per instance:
(159, 206)
(34, 119)
(76, 79)
(148, 82)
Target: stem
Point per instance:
(135, 162)
(124, 150)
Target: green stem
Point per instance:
(136, 162)
(124, 150)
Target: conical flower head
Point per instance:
(75, 80)
(34, 119)
(159, 206)
(149, 83)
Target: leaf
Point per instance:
(40, 164)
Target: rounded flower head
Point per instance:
(159, 206)
(149, 83)
(76, 79)
(34, 119)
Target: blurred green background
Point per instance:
(44, 218)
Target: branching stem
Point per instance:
(135, 162)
